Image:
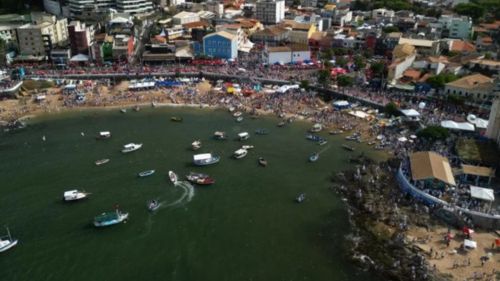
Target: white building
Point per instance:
(473, 87)
(403, 57)
(76, 7)
(134, 6)
(215, 7)
(8, 32)
(176, 2)
(382, 13)
(456, 27)
(284, 55)
(270, 11)
(185, 17)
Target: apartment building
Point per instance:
(270, 11)
(81, 37)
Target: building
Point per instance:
(56, 8)
(382, 13)
(8, 32)
(476, 87)
(134, 7)
(273, 35)
(284, 55)
(424, 47)
(456, 27)
(77, 7)
(185, 17)
(221, 44)
(215, 7)
(44, 33)
(403, 57)
(493, 130)
(81, 37)
(123, 47)
(299, 32)
(270, 11)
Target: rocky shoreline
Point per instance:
(380, 215)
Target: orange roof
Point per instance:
(462, 46)
(486, 40)
(412, 73)
(195, 24)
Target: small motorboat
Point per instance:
(195, 145)
(347, 147)
(316, 128)
(218, 135)
(243, 136)
(237, 114)
(261, 132)
(231, 108)
(176, 119)
(240, 153)
(300, 198)
(123, 110)
(201, 179)
(110, 218)
(101, 162)
(153, 205)
(137, 108)
(322, 142)
(336, 132)
(314, 157)
(131, 147)
(239, 119)
(281, 124)
(7, 242)
(74, 195)
(313, 137)
(147, 173)
(104, 135)
(205, 159)
(173, 177)
(247, 147)
(262, 162)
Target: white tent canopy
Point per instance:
(463, 126)
(359, 114)
(341, 103)
(482, 193)
(470, 244)
(79, 58)
(410, 113)
(480, 123)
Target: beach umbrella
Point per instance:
(421, 105)
(497, 242)
(467, 231)
(413, 136)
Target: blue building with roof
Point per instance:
(222, 45)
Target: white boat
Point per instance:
(196, 145)
(244, 136)
(173, 177)
(231, 108)
(237, 114)
(316, 128)
(110, 218)
(104, 135)
(205, 159)
(247, 147)
(239, 119)
(7, 242)
(240, 153)
(147, 173)
(218, 135)
(75, 195)
(131, 147)
(101, 162)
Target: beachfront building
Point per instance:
(270, 11)
(81, 37)
(299, 32)
(38, 38)
(222, 44)
(493, 130)
(431, 170)
(476, 87)
(273, 35)
(403, 57)
(77, 7)
(284, 55)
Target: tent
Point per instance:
(452, 125)
(421, 105)
(402, 139)
(79, 58)
(359, 114)
(410, 113)
(470, 244)
(480, 123)
(482, 193)
(341, 104)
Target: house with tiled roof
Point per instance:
(403, 57)
(272, 35)
(485, 43)
(475, 86)
(461, 46)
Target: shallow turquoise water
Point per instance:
(245, 227)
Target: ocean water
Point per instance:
(244, 227)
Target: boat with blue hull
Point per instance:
(110, 218)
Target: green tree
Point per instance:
(377, 68)
(304, 84)
(438, 81)
(339, 51)
(327, 54)
(455, 99)
(434, 133)
(391, 109)
(472, 10)
(361, 5)
(390, 29)
(340, 61)
(324, 77)
(359, 61)
(344, 81)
